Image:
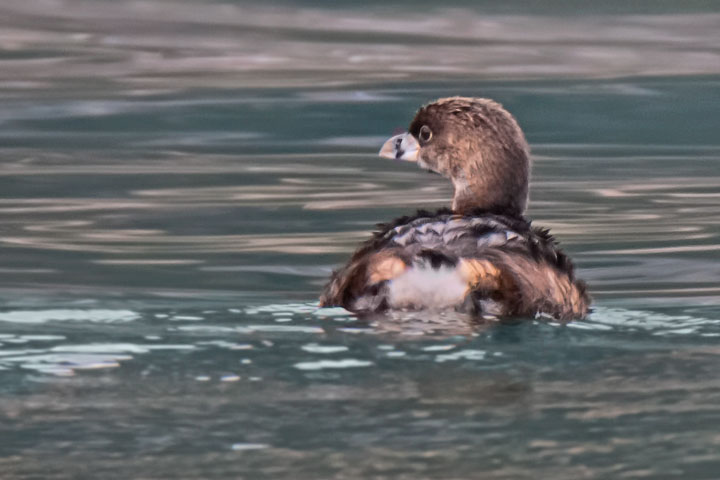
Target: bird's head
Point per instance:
(475, 143)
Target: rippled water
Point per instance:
(178, 180)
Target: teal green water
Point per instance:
(179, 179)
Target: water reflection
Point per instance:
(144, 45)
(253, 385)
(658, 222)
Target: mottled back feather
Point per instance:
(533, 275)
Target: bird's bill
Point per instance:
(401, 147)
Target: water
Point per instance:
(179, 179)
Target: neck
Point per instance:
(471, 197)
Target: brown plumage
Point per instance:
(483, 256)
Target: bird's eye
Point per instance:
(425, 133)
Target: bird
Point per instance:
(482, 256)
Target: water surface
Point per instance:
(178, 180)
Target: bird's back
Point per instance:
(484, 263)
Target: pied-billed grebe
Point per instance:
(482, 257)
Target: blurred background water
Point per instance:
(179, 178)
